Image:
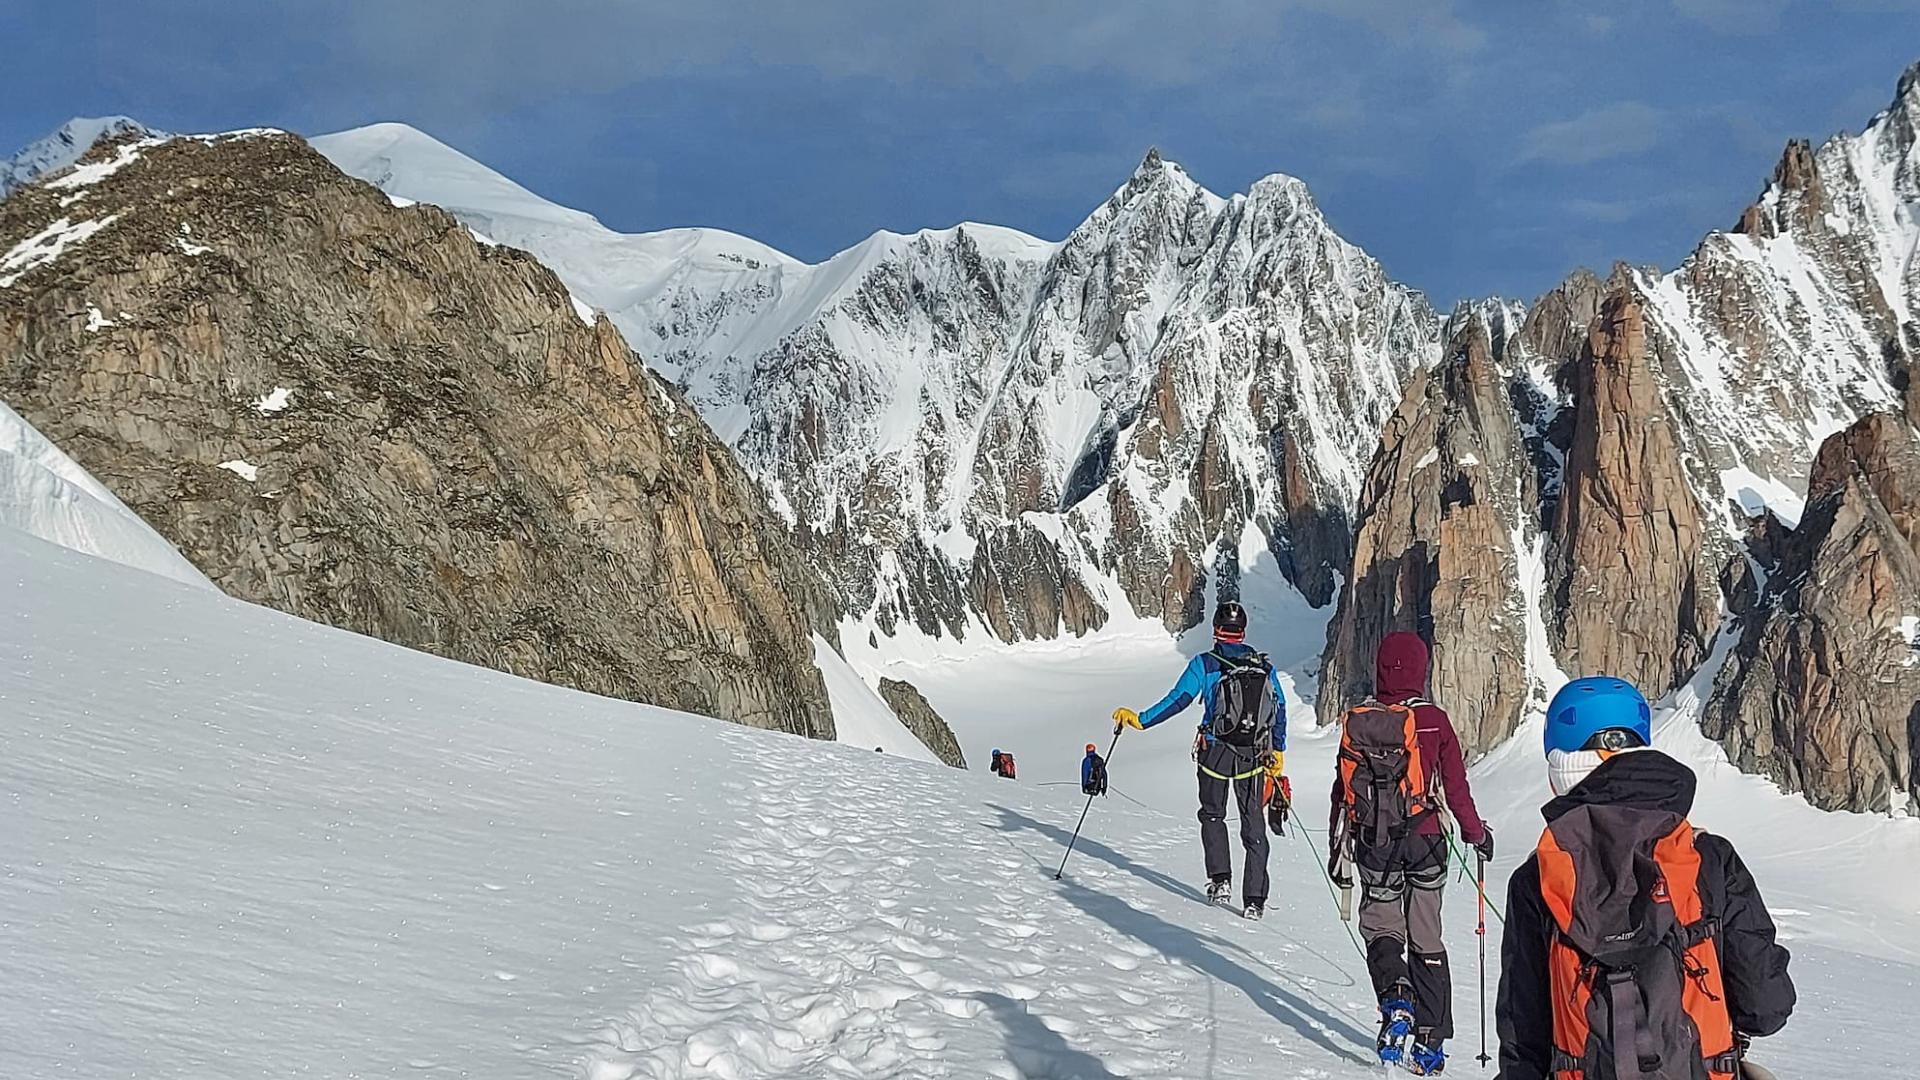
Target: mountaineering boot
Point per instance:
(1426, 1058)
(1396, 1025)
(1255, 909)
(1220, 891)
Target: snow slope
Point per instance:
(44, 493)
(243, 845)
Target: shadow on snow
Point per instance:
(1036, 1049)
(1198, 951)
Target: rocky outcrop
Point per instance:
(1823, 691)
(1448, 497)
(363, 414)
(917, 714)
(1634, 598)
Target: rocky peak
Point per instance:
(1555, 329)
(1445, 505)
(362, 414)
(1795, 200)
(1823, 690)
(1634, 599)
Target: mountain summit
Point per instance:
(976, 429)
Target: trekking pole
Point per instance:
(1117, 729)
(1481, 929)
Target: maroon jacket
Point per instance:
(1400, 674)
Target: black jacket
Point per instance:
(1760, 994)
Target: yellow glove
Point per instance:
(1125, 717)
(1278, 765)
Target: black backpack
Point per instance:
(1097, 776)
(1244, 709)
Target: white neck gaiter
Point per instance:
(1566, 768)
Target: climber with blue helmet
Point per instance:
(1624, 902)
(1589, 721)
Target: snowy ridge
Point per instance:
(1783, 333)
(63, 147)
(916, 395)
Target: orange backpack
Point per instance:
(1384, 784)
(1633, 961)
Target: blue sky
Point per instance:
(1474, 147)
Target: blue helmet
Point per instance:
(996, 751)
(1585, 707)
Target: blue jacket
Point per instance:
(1086, 769)
(1198, 683)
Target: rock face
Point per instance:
(1450, 495)
(1823, 692)
(1635, 599)
(361, 414)
(971, 427)
(1668, 422)
(917, 714)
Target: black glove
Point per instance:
(1334, 872)
(1485, 844)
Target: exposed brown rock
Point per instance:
(1433, 551)
(1823, 693)
(1556, 325)
(918, 715)
(462, 465)
(1634, 598)
(1797, 201)
(1023, 588)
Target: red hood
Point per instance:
(1400, 667)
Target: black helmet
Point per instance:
(1229, 621)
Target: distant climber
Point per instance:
(1093, 772)
(1399, 771)
(1627, 923)
(1002, 764)
(1241, 747)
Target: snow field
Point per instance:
(240, 845)
(238, 833)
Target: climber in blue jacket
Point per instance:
(1241, 747)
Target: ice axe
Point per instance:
(1117, 729)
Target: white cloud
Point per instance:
(1622, 129)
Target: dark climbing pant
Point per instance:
(1218, 762)
(1400, 921)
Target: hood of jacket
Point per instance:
(1400, 667)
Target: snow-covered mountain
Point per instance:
(972, 426)
(63, 147)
